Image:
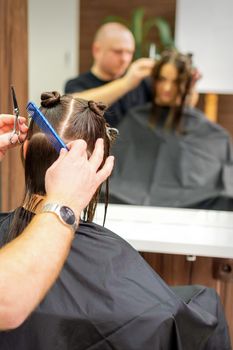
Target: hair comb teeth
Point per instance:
(45, 127)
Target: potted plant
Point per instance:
(141, 27)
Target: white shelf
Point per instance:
(172, 231)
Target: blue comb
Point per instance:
(45, 126)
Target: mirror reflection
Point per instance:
(174, 147)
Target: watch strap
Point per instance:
(56, 209)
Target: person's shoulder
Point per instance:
(198, 118)
(94, 229)
(79, 83)
(5, 222)
(98, 234)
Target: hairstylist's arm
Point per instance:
(112, 91)
(6, 127)
(30, 264)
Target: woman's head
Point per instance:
(72, 119)
(172, 76)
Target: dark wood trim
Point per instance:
(13, 70)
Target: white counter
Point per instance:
(172, 231)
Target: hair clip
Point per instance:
(112, 133)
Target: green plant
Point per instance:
(141, 29)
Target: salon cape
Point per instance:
(107, 297)
(158, 167)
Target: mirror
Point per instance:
(54, 41)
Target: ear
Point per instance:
(25, 147)
(95, 49)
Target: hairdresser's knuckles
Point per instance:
(139, 70)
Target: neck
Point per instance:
(99, 73)
(35, 204)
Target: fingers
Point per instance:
(98, 153)
(145, 63)
(6, 119)
(22, 120)
(7, 125)
(77, 148)
(23, 128)
(106, 170)
(7, 140)
(23, 132)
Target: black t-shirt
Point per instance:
(115, 113)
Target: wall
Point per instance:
(53, 42)
(13, 70)
(208, 40)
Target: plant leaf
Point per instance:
(137, 29)
(163, 29)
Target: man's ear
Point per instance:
(25, 147)
(95, 49)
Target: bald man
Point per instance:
(112, 79)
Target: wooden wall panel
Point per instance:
(13, 70)
(225, 110)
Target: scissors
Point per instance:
(16, 130)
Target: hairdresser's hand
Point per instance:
(6, 127)
(73, 179)
(193, 96)
(139, 70)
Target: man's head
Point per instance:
(113, 50)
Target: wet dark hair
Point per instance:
(183, 64)
(72, 119)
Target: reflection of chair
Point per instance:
(107, 297)
(162, 168)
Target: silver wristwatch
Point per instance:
(65, 214)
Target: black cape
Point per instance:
(107, 297)
(162, 168)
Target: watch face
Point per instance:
(67, 215)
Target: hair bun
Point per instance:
(97, 107)
(50, 99)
